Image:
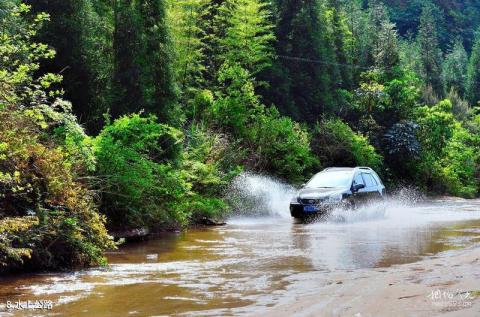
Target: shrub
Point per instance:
(236, 101)
(336, 144)
(279, 146)
(456, 169)
(401, 141)
(138, 161)
(268, 142)
(155, 176)
(49, 217)
(210, 164)
(436, 125)
(450, 155)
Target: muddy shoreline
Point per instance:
(447, 285)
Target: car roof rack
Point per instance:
(357, 167)
(364, 168)
(337, 168)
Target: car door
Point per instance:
(359, 197)
(371, 187)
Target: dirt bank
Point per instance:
(444, 286)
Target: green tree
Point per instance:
(138, 161)
(81, 37)
(430, 53)
(302, 83)
(356, 41)
(336, 144)
(386, 53)
(48, 219)
(143, 76)
(183, 20)
(378, 19)
(436, 126)
(473, 73)
(339, 40)
(157, 52)
(248, 36)
(213, 25)
(454, 69)
(127, 92)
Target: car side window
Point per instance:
(369, 180)
(358, 179)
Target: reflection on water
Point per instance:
(250, 262)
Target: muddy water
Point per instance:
(249, 263)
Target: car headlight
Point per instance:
(334, 198)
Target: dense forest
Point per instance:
(124, 114)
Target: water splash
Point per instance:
(397, 207)
(256, 195)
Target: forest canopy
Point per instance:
(116, 115)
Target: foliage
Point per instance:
(458, 166)
(237, 110)
(401, 141)
(183, 18)
(336, 144)
(137, 161)
(402, 149)
(279, 146)
(154, 176)
(386, 54)
(473, 73)
(454, 69)
(306, 75)
(430, 52)
(436, 126)
(80, 31)
(460, 107)
(249, 35)
(40, 183)
(211, 162)
(48, 215)
(449, 158)
(235, 101)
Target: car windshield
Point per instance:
(331, 179)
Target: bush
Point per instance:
(235, 101)
(456, 169)
(138, 162)
(401, 141)
(402, 150)
(268, 142)
(279, 146)
(48, 217)
(210, 164)
(450, 155)
(336, 144)
(436, 126)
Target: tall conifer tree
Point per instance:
(473, 72)
(430, 52)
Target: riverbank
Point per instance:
(444, 286)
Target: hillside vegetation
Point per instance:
(127, 114)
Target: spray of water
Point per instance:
(254, 195)
(258, 196)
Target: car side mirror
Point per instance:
(357, 187)
(303, 185)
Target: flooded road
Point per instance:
(250, 263)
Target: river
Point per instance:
(252, 262)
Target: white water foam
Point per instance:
(259, 197)
(255, 195)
